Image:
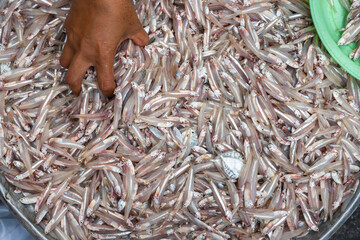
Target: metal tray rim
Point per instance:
(25, 215)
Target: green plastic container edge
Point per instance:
(325, 19)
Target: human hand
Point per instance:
(95, 29)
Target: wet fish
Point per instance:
(232, 123)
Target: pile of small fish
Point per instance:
(352, 28)
(231, 124)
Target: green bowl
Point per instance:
(328, 21)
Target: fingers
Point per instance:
(76, 72)
(105, 75)
(67, 56)
(140, 38)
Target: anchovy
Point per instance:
(232, 123)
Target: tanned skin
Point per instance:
(95, 29)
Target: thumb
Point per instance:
(140, 38)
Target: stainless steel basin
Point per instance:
(26, 216)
